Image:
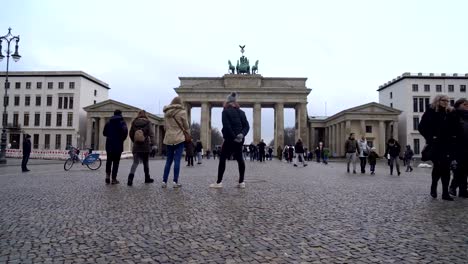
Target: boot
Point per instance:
(148, 179)
(130, 179)
(434, 191)
(107, 178)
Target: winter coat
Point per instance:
(351, 146)
(26, 146)
(174, 135)
(373, 156)
(363, 147)
(234, 123)
(116, 132)
(198, 147)
(299, 147)
(440, 130)
(261, 147)
(190, 148)
(145, 125)
(393, 149)
(408, 154)
(462, 138)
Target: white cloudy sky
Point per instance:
(346, 49)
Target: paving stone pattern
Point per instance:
(286, 214)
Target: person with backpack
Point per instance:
(176, 125)
(235, 128)
(299, 148)
(26, 152)
(116, 132)
(408, 158)
(142, 136)
(351, 148)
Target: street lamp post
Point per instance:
(8, 38)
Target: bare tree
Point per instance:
(216, 136)
(289, 135)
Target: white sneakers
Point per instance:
(163, 185)
(220, 185)
(176, 185)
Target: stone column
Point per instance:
(301, 123)
(157, 138)
(329, 137)
(257, 123)
(348, 127)
(382, 139)
(128, 141)
(395, 130)
(311, 137)
(205, 127)
(188, 109)
(363, 128)
(89, 131)
(343, 137)
(102, 139)
(335, 139)
(387, 130)
(96, 133)
(279, 126)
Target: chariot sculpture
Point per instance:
(242, 66)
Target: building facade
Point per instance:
(48, 105)
(412, 93)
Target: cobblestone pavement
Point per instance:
(316, 214)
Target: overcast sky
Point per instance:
(346, 49)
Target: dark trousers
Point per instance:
(460, 178)
(363, 164)
(24, 162)
(112, 163)
(143, 157)
(231, 148)
(372, 167)
(262, 156)
(189, 160)
(441, 170)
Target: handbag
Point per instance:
(426, 153)
(188, 137)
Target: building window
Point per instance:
(368, 129)
(438, 88)
(4, 119)
(451, 88)
(60, 101)
(17, 85)
(47, 141)
(416, 146)
(7, 85)
(415, 104)
(28, 85)
(59, 119)
(26, 119)
(50, 85)
(71, 85)
(95, 92)
(58, 141)
(68, 140)
(49, 100)
(60, 85)
(427, 102)
(65, 102)
(27, 100)
(38, 100)
(35, 141)
(70, 102)
(415, 87)
(94, 101)
(463, 88)
(415, 123)
(427, 88)
(391, 105)
(39, 85)
(15, 119)
(452, 102)
(420, 104)
(48, 119)
(391, 95)
(17, 100)
(70, 119)
(37, 119)
(6, 100)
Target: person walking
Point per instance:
(408, 158)
(198, 151)
(461, 172)
(261, 150)
(26, 152)
(175, 124)
(392, 153)
(244, 152)
(279, 152)
(190, 152)
(290, 153)
(373, 156)
(299, 148)
(351, 148)
(363, 153)
(142, 136)
(440, 126)
(235, 128)
(116, 132)
(270, 153)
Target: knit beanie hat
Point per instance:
(232, 97)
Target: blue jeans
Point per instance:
(174, 153)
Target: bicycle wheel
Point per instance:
(95, 165)
(68, 164)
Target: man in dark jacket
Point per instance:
(235, 128)
(461, 172)
(26, 152)
(393, 150)
(116, 132)
(299, 148)
(351, 148)
(261, 151)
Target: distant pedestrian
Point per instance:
(363, 153)
(279, 152)
(270, 153)
(215, 152)
(244, 152)
(252, 151)
(408, 158)
(116, 132)
(26, 152)
(235, 128)
(190, 152)
(175, 123)
(198, 151)
(142, 136)
(290, 153)
(392, 153)
(373, 156)
(299, 148)
(351, 148)
(261, 151)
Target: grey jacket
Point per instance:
(145, 125)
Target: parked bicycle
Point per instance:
(91, 160)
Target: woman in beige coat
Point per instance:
(175, 117)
